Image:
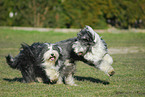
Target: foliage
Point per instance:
(125, 13)
(83, 13)
(76, 14)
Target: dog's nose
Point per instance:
(52, 54)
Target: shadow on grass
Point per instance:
(14, 79)
(22, 81)
(79, 78)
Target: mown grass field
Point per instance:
(129, 80)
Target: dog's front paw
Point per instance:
(111, 73)
(39, 79)
(74, 85)
(59, 82)
(53, 79)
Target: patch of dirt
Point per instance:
(125, 50)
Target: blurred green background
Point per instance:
(73, 13)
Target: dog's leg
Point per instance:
(68, 73)
(26, 77)
(39, 79)
(70, 80)
(52, 74)
(27, 73)
(105, 65)
(60, 80)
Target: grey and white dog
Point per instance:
(94, 50)
(87, 47)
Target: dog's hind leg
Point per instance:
(69, 72)
(70, 80)
(28, 74)
(60, 80)
(27, 78)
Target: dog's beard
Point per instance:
(50, 57)
(79, 49)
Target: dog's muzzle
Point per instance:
(52, 57)
(80, 53)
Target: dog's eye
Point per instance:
(48, 48)
(84, 39)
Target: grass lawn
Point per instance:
(129, 80)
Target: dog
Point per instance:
(94, 50)
(69, 57)
(38, 62)
(87, 47)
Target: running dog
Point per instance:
(38, 62)
(94, 50)
(87, 47)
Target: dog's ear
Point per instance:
(92, 32)
(60, 49)
(48, 44)
(82, 34)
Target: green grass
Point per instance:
(129, 80)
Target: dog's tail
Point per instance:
(27, 50)
(10, 61)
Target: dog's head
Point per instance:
(80, 48)
(52, 52)
(87, 37)
(49, 54)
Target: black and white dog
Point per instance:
(87, 47)
(38, 62)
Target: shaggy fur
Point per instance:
(87, 47)
(69, 57)
(94, 50)
(38, 62)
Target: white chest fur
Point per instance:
(97, 52)
(51, 70)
